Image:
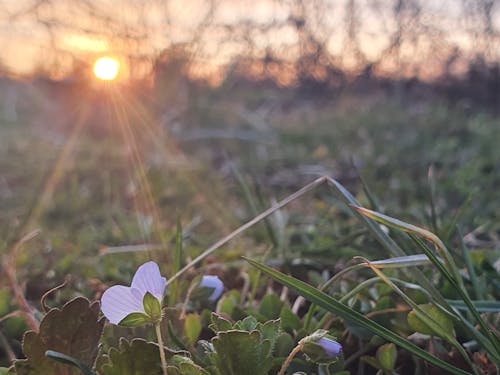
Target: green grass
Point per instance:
(221, 166)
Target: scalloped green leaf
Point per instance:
(74, 330)
(219, 323)
(242, 353)
(247, 324)
(133, 357)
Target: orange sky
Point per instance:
(155, 24)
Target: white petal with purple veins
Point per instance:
(119, 301)
(147, 278)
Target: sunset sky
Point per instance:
(56, 35)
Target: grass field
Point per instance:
(105, 175)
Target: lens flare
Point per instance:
(106, 68)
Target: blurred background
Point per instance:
(208, 111)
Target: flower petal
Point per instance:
(211, 281)
(147, 278)
(118, 301)
(332, 347)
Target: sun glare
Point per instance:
(106, 68)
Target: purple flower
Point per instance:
(120, 301)
(213, 282)
(332, 347)
(320, 348)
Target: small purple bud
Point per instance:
(332, 347)
(212, 281)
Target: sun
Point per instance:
(106, 68)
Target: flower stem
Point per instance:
(324, 369)
(162, 349)
(288, 359)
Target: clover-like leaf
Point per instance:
(74, 330)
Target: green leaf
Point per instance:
(152, 306)
(5, 301)
(439, 317)
(386, 356)
(289, 320)
(270, 306)
(133, 357)
(270, 331)
(242, 353)
(247, 324)
(192, 327)
(74, 330)
(332, 305)
(186, 365)
(228, 302)
(284, 345)
(66, 359)
(135, 319)
(219, 323)
(372, 361)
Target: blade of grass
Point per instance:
(470, 267)
(413, 229)
(385, 240)
(332, 305)
(68, 360)
(374, 280)
(432, 197)
(481, 305)
(492, 347)
(176, 263)
(253, 205)
(396, 262)
(422, 314)
(450, 271)
(247, 225)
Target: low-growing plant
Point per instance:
(400, 317)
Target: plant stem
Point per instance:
(288, 359)
(324, 369)
(162, 350)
